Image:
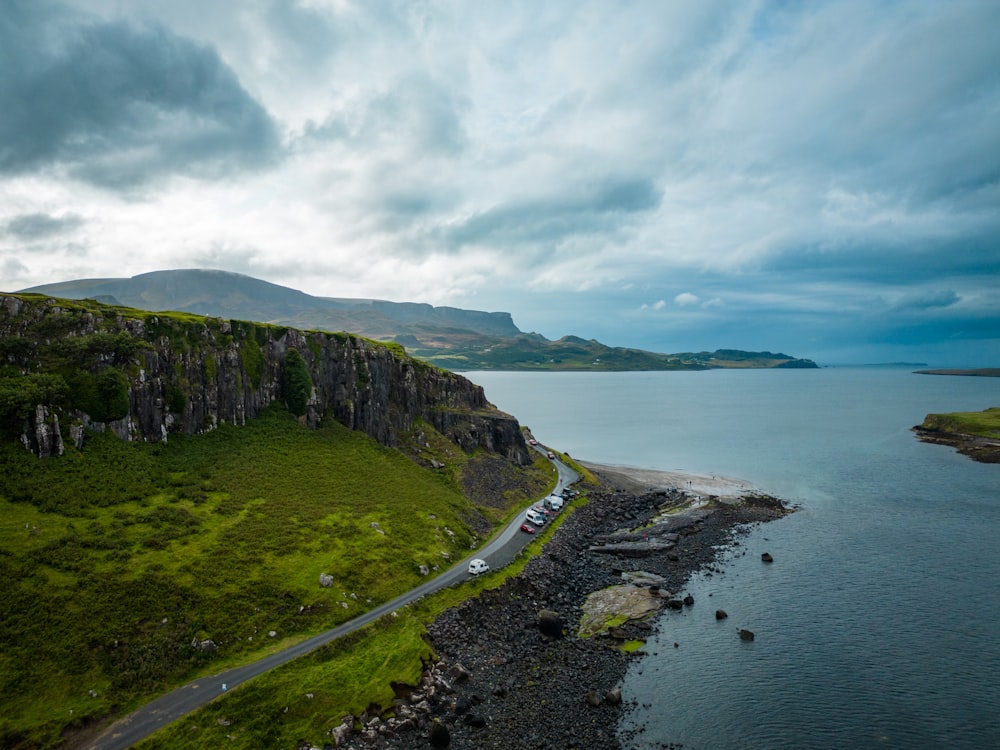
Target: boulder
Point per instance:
(766, 557)
(746, 635)
(439, 736)
(325, 580)
(593, 698)
(614, 696)
(721, 614)
(550, 623)
(688, 600)
(458, 674)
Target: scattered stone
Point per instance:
(746, 635)
(325, 580)
(721, 614)
(614, 696)
(458, 674)
(593, 698)
(766, 557)
(688, 600)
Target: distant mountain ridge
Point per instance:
(234, 295)
(449, 337)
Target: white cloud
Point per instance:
(561, 160)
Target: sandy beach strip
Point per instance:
(634, 479)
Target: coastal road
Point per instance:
(141, 723)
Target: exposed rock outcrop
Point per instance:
(188, 374)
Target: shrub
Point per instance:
(297, 383)
(111, 402)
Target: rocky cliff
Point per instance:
(146, 375)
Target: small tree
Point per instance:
(298, 385)
(111, 396)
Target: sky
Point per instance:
(820, 179)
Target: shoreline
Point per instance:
(635, 479)
(511, 669)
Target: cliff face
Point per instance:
(185, 373)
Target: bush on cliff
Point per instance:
(297, 385)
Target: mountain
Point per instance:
(444, 336)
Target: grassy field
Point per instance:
(309, 696)
(118, 562)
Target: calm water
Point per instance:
(878, 624)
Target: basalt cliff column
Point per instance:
(181, 373)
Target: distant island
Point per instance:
(973, 434)
(447, 337)
(981, 372)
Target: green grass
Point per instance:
(114, 558)
(347, 676)
(983, 423)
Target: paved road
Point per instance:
(138, 725)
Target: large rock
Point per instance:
(550, 623)
(439, 736)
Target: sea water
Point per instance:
(878, 623)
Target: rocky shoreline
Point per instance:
(978, 448)
(512, 671)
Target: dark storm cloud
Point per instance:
(118, 104)
(593, 208)
(39, 226)
(927, 300)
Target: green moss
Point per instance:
(252, 357)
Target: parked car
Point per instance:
(551, 454)
(532, 442)
(478, 566)
(535, 517)
(527, 528)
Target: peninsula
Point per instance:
(974, 434)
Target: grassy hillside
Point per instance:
(120, 562)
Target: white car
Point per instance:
(535, 516)
(478, 566)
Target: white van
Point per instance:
(554, 502)
(478, 566)
(535, 517)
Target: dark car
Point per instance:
(527, 528)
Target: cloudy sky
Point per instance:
(819, 178)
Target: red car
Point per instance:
(527, 529)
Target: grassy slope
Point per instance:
(113, 559)
(308, 697)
